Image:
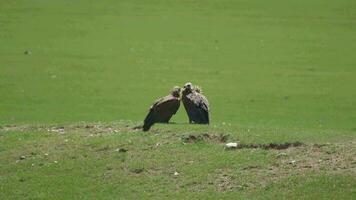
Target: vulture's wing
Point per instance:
(161, 111)
(157, 102)
(170, 106)
(168, 103)
(200, 101)
(201, 104)
(204, 102)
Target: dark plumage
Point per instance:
(163, 109)
(196, 104)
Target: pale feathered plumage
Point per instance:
(196, 104)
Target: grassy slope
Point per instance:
(276, 71)
(84, 163)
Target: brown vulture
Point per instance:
(196, 104)
(163, 109)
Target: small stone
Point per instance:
(55, 161)
(46, 154)
(121, 150)
(176, 173)
(22, 157)
(231, 145)
(292, 162)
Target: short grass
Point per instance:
(273, 71)
(113, 161)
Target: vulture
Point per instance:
(163, 109)
(196, 104)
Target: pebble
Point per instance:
(231, 145)
(292, 162)
(121, 150)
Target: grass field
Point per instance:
(76, 76)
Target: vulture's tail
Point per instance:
(147, 127)
(149, 121)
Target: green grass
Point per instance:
(273, 71)
(276, 63)
(86, 163)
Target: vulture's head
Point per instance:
(176, 91)
(188, 86)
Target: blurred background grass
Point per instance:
(261, 63)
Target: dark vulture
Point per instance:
(163, 109)
(196, 104)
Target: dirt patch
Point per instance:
(336, 158)
(278, 146)
(137, 170)
(221, 138)
(226, 179)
